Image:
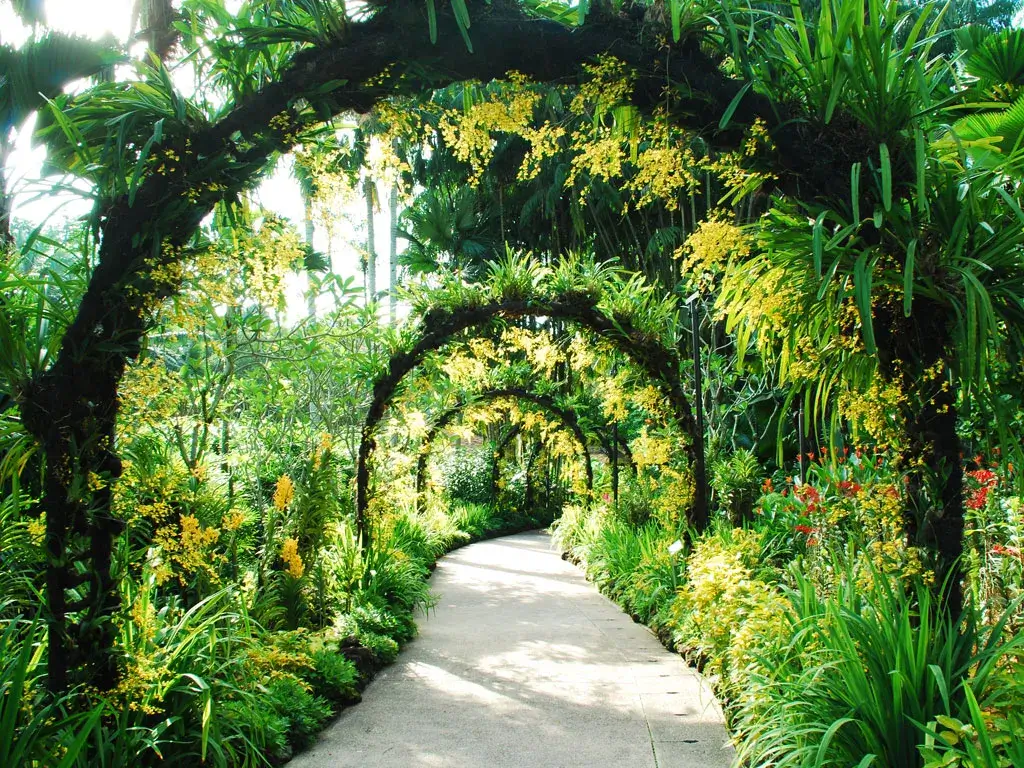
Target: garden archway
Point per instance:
(565, 416)
(438, 325)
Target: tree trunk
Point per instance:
(371, 250)
(6, 201)
(393, 255)
(917, 353)
(307, 219)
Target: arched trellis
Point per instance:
(566, 416)
(659, 361)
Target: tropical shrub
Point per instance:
(466, 474)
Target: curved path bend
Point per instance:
(524, 664)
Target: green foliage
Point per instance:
(33, 728)
(304, 712)
(474, 519)
(862, 673)
(333, 676)
(735, 484)
(466, 474)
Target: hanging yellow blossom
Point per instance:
(662, 175)
(878, 411)
(708, 250)
(292, 559)
(610, 83)
(469, 132)
(284, 493)
(651, 451)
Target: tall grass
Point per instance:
(36, 730)
(862, 674)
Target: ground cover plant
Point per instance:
(730, 291)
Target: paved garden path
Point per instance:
(524, 664)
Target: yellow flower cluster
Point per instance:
(37, 530)
(143, 685)
(878, 411)
(880, 511)
(673, 499)
(188, 545)
(545, 142)
(468, 133)
(650, 399)
(613, 399)
(322, 451)
(758, 139)
(651, 450)
(148, 396)
(710, 248)
(610, 84)
(284, 493)
(539, 348)
(662, 175)
(292, 559)
(463, 369)
(804, 364)
(233, 520)
(598, 158)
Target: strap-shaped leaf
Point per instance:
(886, 170)
(862, 276)
(855, 190)
(908, 277)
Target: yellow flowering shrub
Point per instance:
(724, 614)
(187, 547)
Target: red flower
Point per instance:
(986, 477)
(849, 488)
(766, 486)
(977, 499)
(1005, 551)
(805, 529)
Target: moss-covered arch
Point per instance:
(660, 361)
(566, 416)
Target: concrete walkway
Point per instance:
(524, 664)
